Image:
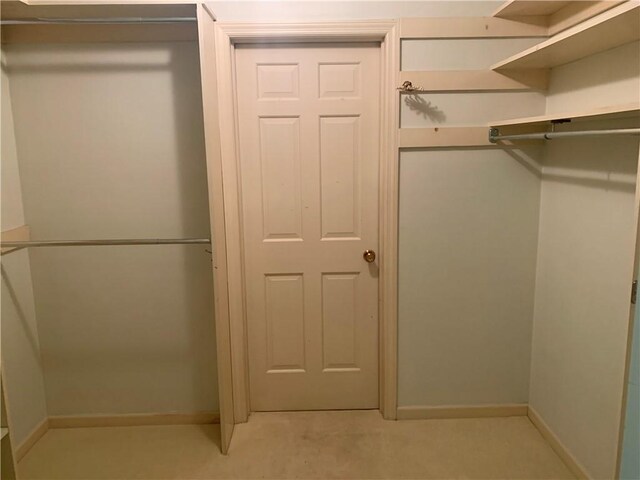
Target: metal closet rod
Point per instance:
(107, 20)
(119, 241)
(494, 134)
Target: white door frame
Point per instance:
(227, 37)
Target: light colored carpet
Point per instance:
(301, 445)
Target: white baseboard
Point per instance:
(422, 412)
(404, 413)
(570, 461)
(36, 434)
(130, 420)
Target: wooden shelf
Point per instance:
(520, 8)
(96, 33)
(615, 27)
(443, 137)
(558, 15)
(479, 80)
(14, 10)
(618, 111)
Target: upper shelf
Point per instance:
(60, 21)
(617, 111)
(17, 10)
(558, 15)
(519, 8)
(611, 29)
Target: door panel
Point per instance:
(280, 178)
(284, 309)
(309, 126)
(339, 313)
(340, 176)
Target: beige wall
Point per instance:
(445, 54)
(21, 362)
(585, 261)
(334, 10)
(110, 139)
(468, 239)
(468, 235)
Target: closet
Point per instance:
(507, 252)
(523, 255)
(587, 236)
(104, 155)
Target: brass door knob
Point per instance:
(369, 256)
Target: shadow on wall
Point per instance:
(526, 161)
(424, 109)
(587, 162)
(607, 163)
(13, 301)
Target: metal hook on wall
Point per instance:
(408, 87)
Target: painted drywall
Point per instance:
(584, 265)
(110, 142)
(460, 53)
(468, 238)
(21, 363)
(335, 10)
(630, 467)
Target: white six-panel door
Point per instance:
(309, 128)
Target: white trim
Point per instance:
(422, 412)
(207, 50)
(32, 438)
(444, 137)
(556, 444)
(475, 80)
(366, 31)
(208, 7)
(227, 36)
(123, 420)
(133, 420)
(231, 213)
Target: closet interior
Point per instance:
(103, 153)
(516, 152)
(542, 229)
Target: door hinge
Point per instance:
(634, 291)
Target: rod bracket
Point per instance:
(493, 134)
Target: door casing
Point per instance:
(228, 36)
